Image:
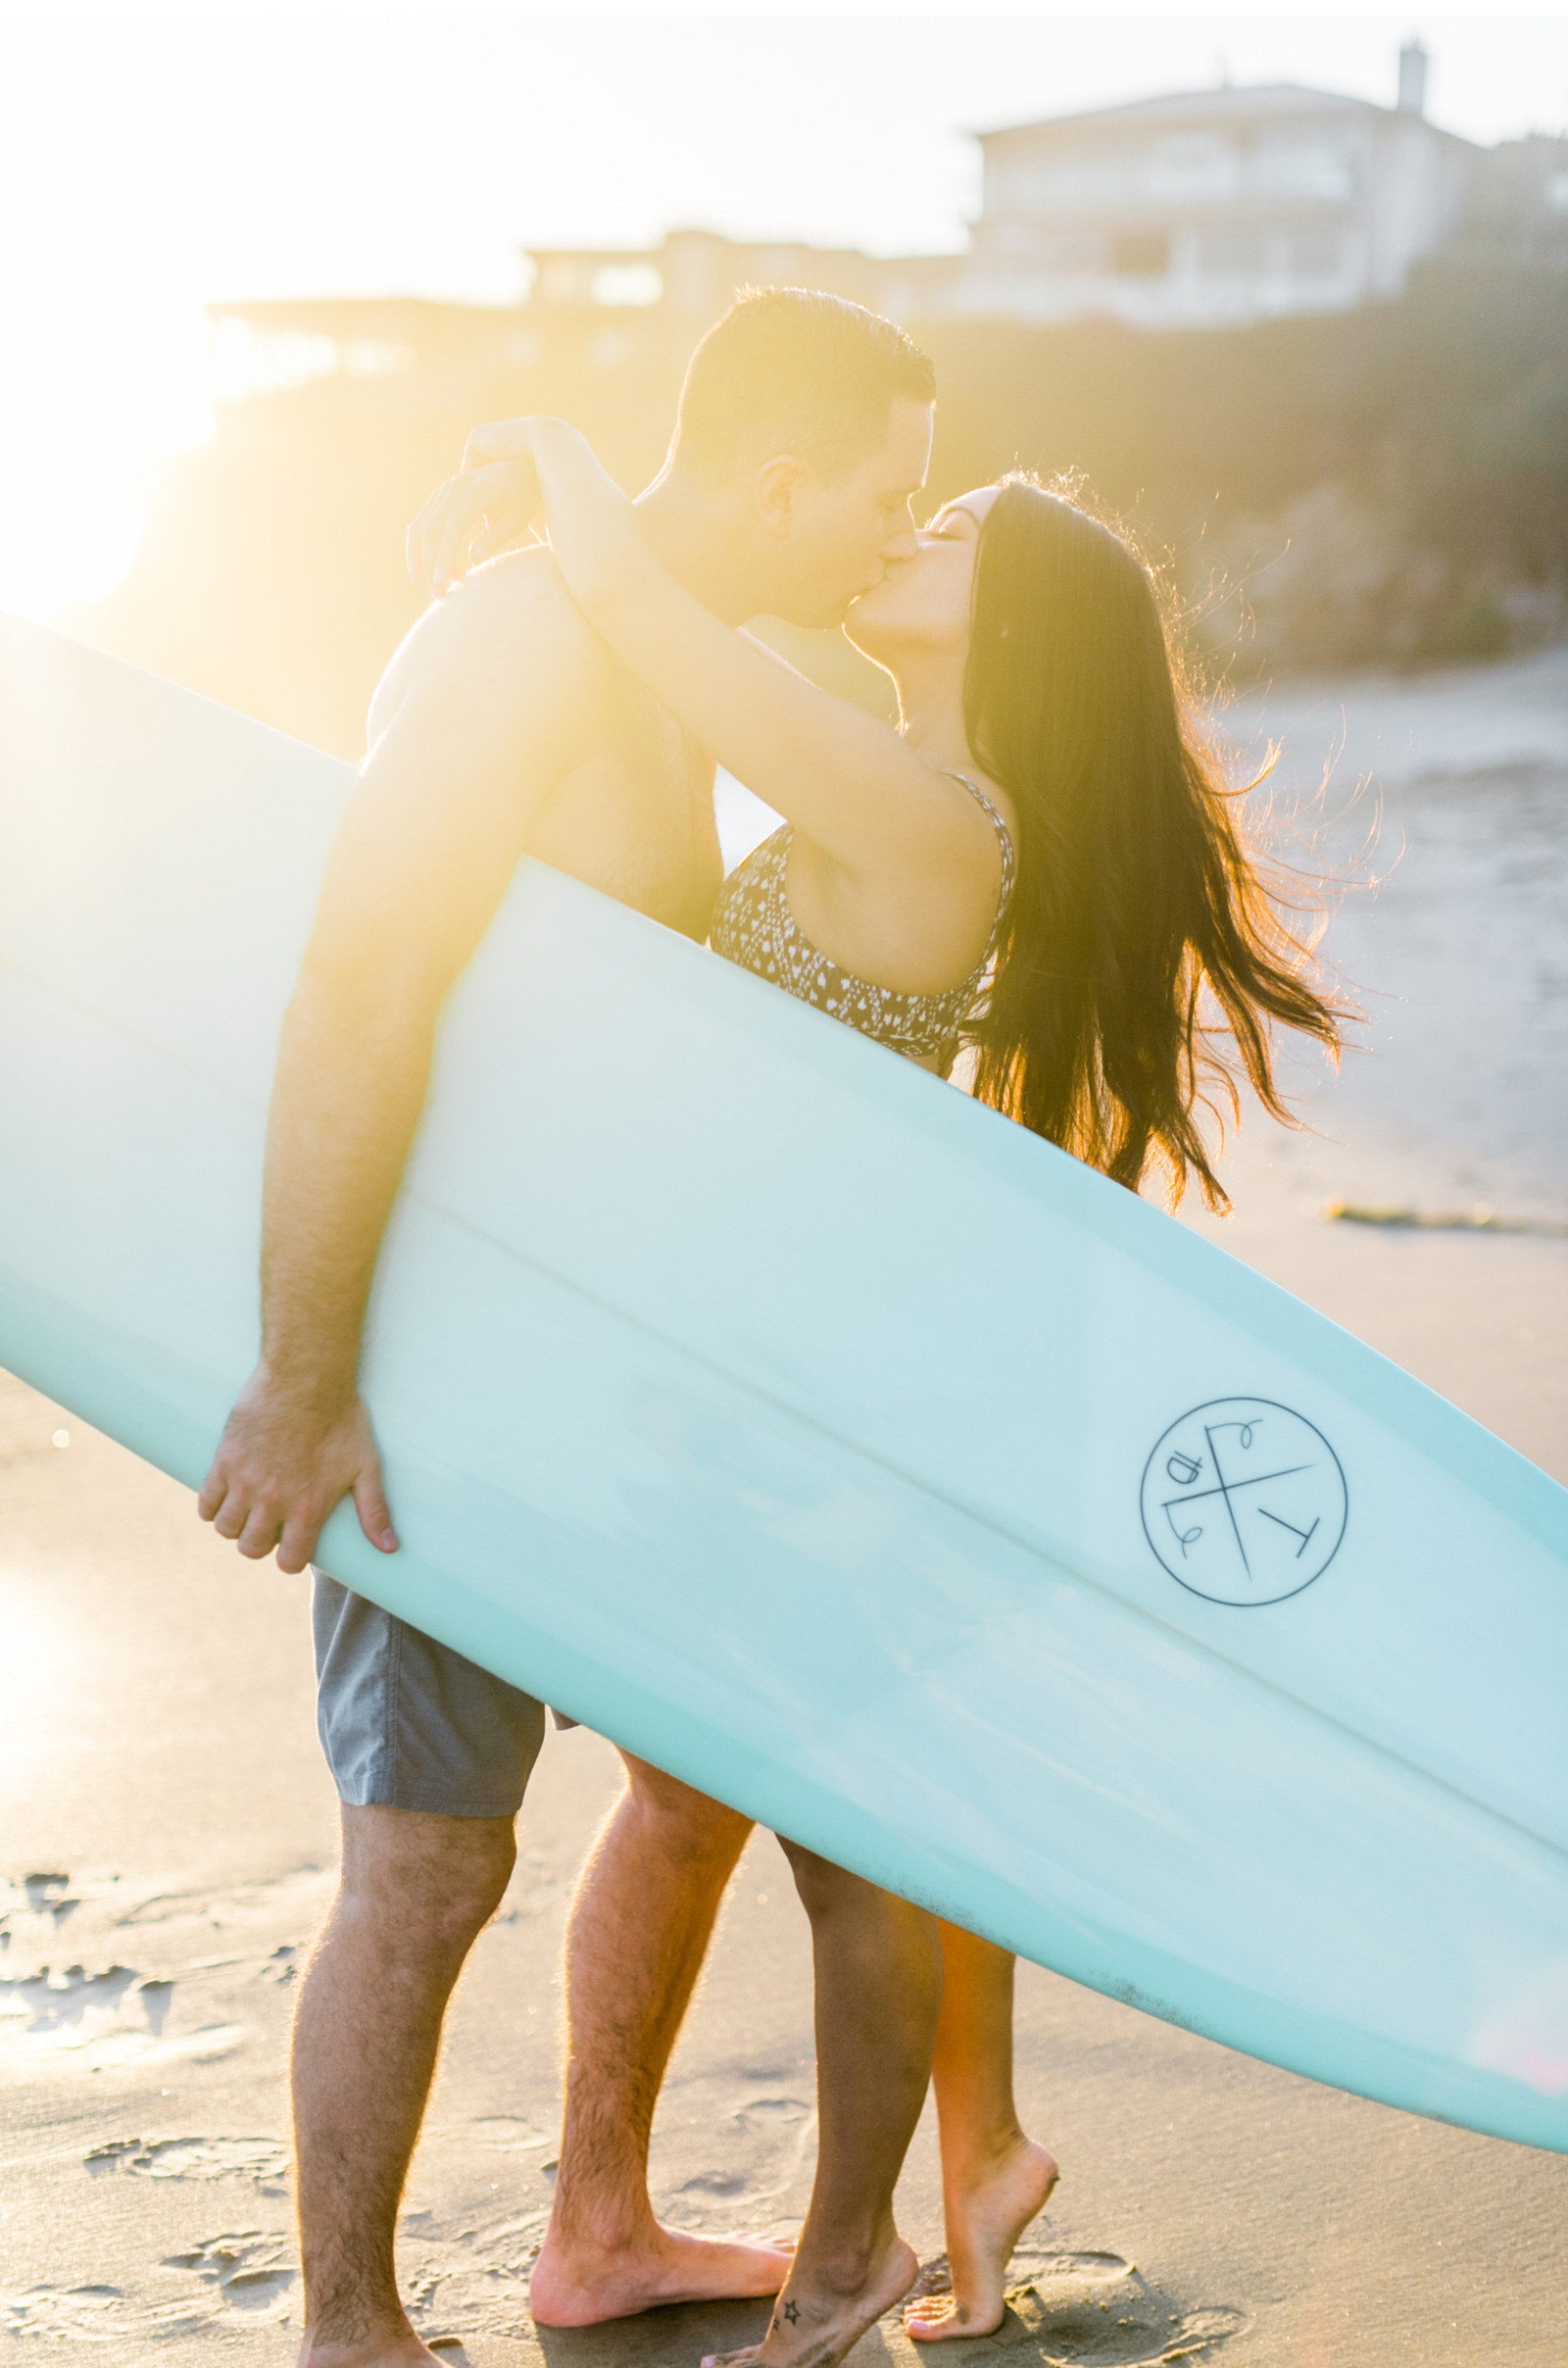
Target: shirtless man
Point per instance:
(504, 728)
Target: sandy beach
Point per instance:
(168, 1829)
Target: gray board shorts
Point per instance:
(407, 1724)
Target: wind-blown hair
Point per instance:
(794, 371)
(1145, 955)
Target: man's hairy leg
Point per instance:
(639, 1930)
(414, 1894)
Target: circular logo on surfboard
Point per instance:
(1243, 1502)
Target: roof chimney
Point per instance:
(1413, 78)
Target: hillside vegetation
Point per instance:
(1389, 487)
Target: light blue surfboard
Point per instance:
(763, 1403)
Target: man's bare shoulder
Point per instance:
(508, 641)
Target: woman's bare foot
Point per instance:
(984, 2219)
(579, 2284)
(816, 2323)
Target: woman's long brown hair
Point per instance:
(1146, 956)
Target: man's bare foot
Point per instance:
(985, 2221)
(578, 2284)
(390, 2346)
(814, 2326)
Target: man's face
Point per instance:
(842, 534)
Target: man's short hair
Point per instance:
(793, 370)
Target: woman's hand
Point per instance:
(591, 526)
(491, 503)
(518, 473)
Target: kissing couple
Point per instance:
(1037, 887)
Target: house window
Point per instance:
(1227, 254)
(1316, 254)
(1192, 165)
(619, 283)
(1291, 166)
(1065, 253)
(1141, 255)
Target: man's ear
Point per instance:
(779, 486)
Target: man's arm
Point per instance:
(487, 706)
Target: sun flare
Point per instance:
(82, 441)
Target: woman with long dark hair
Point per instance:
(1045, 869)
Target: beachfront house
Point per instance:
(1206, 209)
(1214, 206)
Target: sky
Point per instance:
(152, 162)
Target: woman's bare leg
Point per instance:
(878, 1966)
(994, 2179)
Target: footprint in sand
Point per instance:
(775, 2113)
(114, 2017)
(64, 2008)
(264, 2160)
(1096, 2268)
(37, 1904)
(472, 2281)
(62, 2312)
(1094, 2310)
(302, 1893)
(469, 2279)
(249, 2270)
(1027, 2269)
(50, 1896)
(505, 2134)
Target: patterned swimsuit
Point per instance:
(754, 926)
